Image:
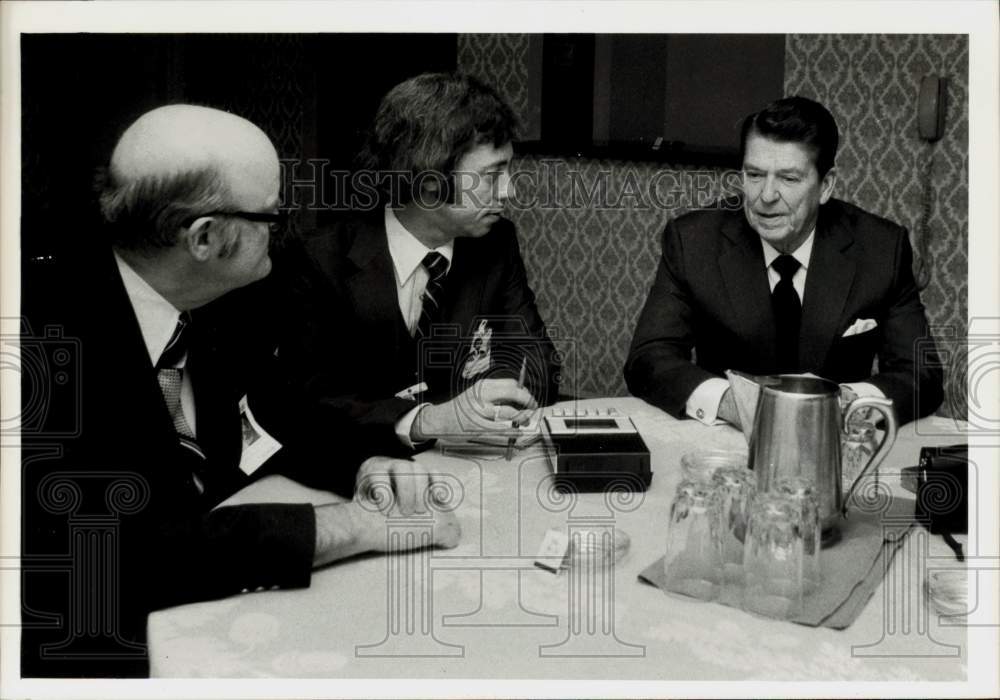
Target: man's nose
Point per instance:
(769, 192)
(505, 187)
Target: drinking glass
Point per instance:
(734, 489)
(772, 560)
(857, 445)
(693, 564)
(700, 465)
(802, 493)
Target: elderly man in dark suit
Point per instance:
(415, 319)
(177, 404)
(796, 282)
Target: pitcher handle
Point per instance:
(885, 407)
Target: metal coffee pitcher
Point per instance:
(795, 431)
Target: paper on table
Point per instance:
(852, 569)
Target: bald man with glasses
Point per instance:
(177, 406)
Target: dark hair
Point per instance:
(426, 123)
(147, 212)
(800, 120)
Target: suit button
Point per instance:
(700, 413)
(245, 590)
(275, 587)
(258, 589)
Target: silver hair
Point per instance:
(146, 213)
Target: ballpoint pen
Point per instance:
(520, 385)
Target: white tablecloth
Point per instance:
(484, 611)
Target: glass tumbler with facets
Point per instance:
(857, 444)
(700, 465)
(802, 493)
(772, 561)
(693, 563)
(734, 490)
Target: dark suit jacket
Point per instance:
(113, 525)
(349, 344)
(711, 294)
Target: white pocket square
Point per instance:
(862, 325)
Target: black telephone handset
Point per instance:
(931, 107)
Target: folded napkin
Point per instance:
(852, 568)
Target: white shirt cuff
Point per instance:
(405, 424)
(703, 404)
(864, 389)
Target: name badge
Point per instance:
(480, 353)
(258, 445)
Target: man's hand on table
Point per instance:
(386, 490)
(488, 405)
(401, 483)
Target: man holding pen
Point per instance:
(413, 319)
(512, 440)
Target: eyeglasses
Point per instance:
(276, 221)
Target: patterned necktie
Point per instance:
(170, 379)
(787, 313)
(430, 312)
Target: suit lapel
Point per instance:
(216, 405)
(828, 282)
(146, 421)
(464, 287)
(128, 357)
(373, 285)
(745, 278)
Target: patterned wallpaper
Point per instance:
(870, 84)
(273, 95)
(590, 231)
(502, 59)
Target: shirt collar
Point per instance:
(802, 253)
(157, 316)
(406, 251)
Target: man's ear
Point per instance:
(430, 192)
(826, 186)
(202, 239)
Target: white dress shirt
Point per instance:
(407, 254)
(803, 253)
(703, 404)
(157, 321)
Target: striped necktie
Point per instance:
(430, 312)
(170, 378)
